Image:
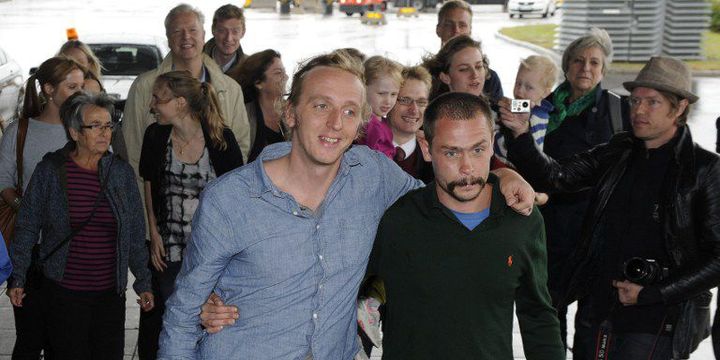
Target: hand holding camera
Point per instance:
(520, 105)
(638, 272)
(515, 115)
(628, 292)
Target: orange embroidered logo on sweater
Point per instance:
(509, 261)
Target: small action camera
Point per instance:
(520, 106)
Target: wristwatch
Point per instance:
(16, 203)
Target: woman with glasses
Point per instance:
(42, 131)
(85, 203)
(186, 148)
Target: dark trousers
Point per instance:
(622, 346)
(31, 336)
(84, 326)
(163, 284)
(561, 314)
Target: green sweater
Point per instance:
(450, 291)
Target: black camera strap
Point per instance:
(604, 338)
(657, 337)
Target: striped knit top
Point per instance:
(92, 259)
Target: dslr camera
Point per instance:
(644, 271)
(520, 106)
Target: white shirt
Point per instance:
(407, 147)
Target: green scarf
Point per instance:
(562, 111)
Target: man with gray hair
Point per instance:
(185, 35)
(649, 248)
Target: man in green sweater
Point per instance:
(455, 260)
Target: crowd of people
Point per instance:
(419, 199)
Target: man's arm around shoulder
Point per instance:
(207, 254)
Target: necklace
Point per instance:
(181, 147)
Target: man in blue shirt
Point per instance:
(286, 239)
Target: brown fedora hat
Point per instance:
(666, 74)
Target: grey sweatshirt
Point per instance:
(41, 139)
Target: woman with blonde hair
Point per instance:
(83, 55)
(182, 152)
(41, 130)
(81, 52)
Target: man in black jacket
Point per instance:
(649, 250)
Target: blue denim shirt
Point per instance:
(293, 273)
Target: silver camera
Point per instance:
(520, 106)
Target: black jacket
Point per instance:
(154, 150)
(691, 221)
(564, 212)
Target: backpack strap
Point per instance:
(616, 120)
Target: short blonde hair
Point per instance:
(417, 72)
(94, 65)
(452, 5)
(378, 67)
(544, 65)
(226, 12)
(339, 59)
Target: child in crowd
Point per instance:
(534, 81)
(383, 78)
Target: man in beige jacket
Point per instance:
(185, 34)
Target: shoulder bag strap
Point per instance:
(615, 112)
(87, 221)
(19, 149)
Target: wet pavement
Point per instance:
(32, 30)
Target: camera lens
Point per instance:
(644, 271)
(636, 270)
(525, 104)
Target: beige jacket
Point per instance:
(137, 115)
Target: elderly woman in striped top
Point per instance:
(85, 202)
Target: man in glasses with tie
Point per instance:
(406, 118)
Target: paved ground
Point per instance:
(7, 332)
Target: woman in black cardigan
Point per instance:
(188, 147)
